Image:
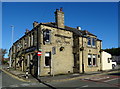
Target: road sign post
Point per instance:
(53, 52)
(39, 54)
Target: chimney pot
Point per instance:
(35, 24)
(56, 9)
(26, 31)
(79, 28)
(61, 9)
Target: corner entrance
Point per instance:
(76, 63)
(35, 66)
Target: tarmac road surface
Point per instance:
(0, 79)
(108, 80)
(8, 81)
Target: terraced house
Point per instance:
(64, 49)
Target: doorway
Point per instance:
(35, 66)
(76, 63)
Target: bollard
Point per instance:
(26, 74)
(8, 68)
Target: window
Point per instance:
(94, 60)
(89, 60)
(25, 62)
(32, 39)
(47, 58)
(108, 60)
(31, 56)
(46, 36)
(89, 41)
(93, 42)
(29, 41)
(13, 49)
(16, 47)
(20, 62)
(20, 45)
(28, 60)
(23, 43)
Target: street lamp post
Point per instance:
(12, 27)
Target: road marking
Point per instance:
(14, 85)
(25, 84)
(85, 86)
(34, 84)
(110, 80)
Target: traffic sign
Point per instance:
(39, 53)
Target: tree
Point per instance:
(2, 54)
(113, 51)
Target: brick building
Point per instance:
(64, 49)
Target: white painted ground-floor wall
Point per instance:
(106, 61)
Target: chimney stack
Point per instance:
(79, 28)
(26, 31)
(59, 18)
(35, 24)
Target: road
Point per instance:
(8, 81)
(0, 80)
(108, 80)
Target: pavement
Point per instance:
(57, 78)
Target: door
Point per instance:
(76, 63)
(35, 65)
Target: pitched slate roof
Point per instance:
(67, 28)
